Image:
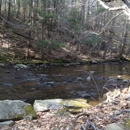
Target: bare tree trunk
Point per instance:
(128, 52)
(108, 44)
(18, 11)
(9, 10)
(30, 10)
(0, 7)
(5, 2)
(83, 12)
(124, 41)
(24, 10)
(55, 6)
(44, 5)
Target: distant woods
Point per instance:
(49, 24)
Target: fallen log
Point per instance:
(19, 29)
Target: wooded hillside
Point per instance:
(64, 29)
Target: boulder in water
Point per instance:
(20, 66)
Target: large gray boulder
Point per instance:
(15, 109)
(45, 105)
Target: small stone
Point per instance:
(91, 72)
(125, 81)
(20, 66)
(94, 62)
(86, 95)
(123, 103)
(7, 71)
(79, 78)
(116, 102)
(88, 78)
(127, 97)
(119, 77)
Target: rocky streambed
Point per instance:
(65, 82)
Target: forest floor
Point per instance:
(113, 110)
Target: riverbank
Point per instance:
(42, 63)
(60, 56)
(113, 110)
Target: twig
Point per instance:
(93, 80)
(105, 85)
(89, 124)
(76, 118)
(83, 114)
(120, 112)
(95, 84)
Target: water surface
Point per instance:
(59, 81)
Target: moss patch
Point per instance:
(30, 111)
(74, 111)
(76, 104)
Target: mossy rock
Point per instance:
(16, 109)
(76, 104)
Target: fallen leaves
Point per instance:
(115, 110)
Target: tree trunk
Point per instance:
(124, 41)
(9, 10)
(108, 44)
(18, 11)
(0, 7)
(5, 2)
(83, 12)
(30, 10)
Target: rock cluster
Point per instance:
(14, 109)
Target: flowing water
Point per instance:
(60, 81)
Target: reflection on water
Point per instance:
(59, 81)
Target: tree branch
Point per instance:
(125, 8)
(109, 8)
(110, 21)
(127, 3)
